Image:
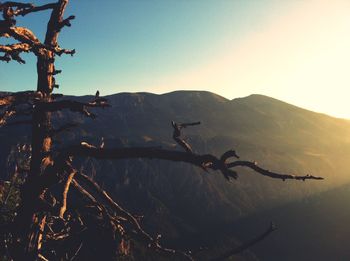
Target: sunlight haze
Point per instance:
(297, 51)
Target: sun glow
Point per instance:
(297, 51)
(301, 56)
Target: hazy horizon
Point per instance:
(294, 51)
(164, 93)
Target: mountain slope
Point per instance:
(185, 200)
(314, 228)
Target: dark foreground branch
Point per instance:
(246, 245)
(131, 223)
(33, 9)
(177, 134)
(12, 51)
(73, 106)
(23, 9)
(19, 98)
(264, 172)
(206, 161)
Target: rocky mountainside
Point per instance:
(179, 200)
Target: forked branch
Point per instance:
(177, 134)
(12, 52)
(130, 223)
(15, 8)
(206, 161)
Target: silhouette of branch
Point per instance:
(28, 43)
(177, 133)
(54, 25)
(24, 35)
(5, 58)
(14, 4)
(67, 184)
(206, 161)
(19, 98)
(257, 169)
(132, 221)
(60, 51)
(32, 9)
(228, 154)
(118, 209)
(246, 245)
(66, 22)
(72, 106)
(12, 52)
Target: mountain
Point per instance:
(181, 201)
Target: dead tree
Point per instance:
(45, 227)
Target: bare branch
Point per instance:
(6, 58)
(53, 26)
(177, 133)
(4, 25)
(32, 9)
(19, 98)
(184, 125)
(246, 245)
(144, 236)
(59, 51)
(55, 72)
(66, 22)
(13, 51)
(41, 231)
(24, 35)
(228, 154)
(257, 169)
(206, 161)
(12, 9)
(28, 43)
(118, 209)
(14, 4)
(72, 106)
(65, 192)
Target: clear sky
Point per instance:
(294, 50)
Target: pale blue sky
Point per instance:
(294, 50)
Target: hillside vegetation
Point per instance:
(183, 199)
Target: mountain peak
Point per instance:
(194, 94)
(259, 98)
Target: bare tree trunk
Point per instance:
(41, 141)
(28, 217)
